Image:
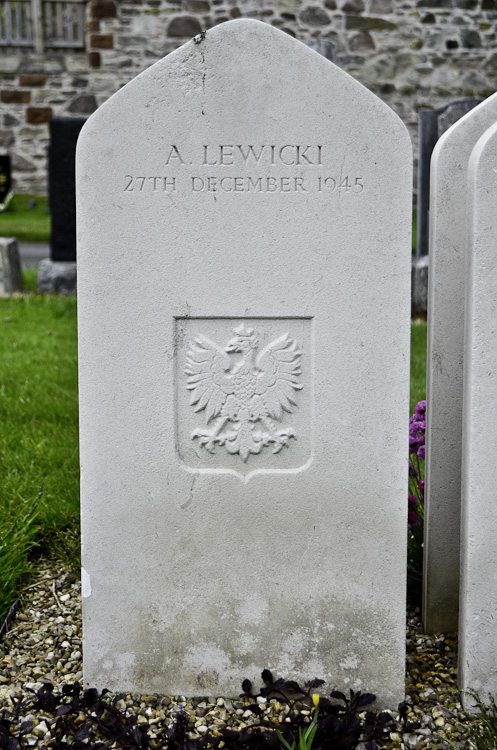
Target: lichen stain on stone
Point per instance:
(351, 662)
(253, 610)
(202, 664)
(207, 678)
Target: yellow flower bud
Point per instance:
(315, 699)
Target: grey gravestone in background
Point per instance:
(325, 47)
(243, 426)
(10, 267)
(64, 132)
(447, 292)
(432, 125)
(57, 275)
(477, 631)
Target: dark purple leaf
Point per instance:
(314, 683)
(83, 732)
(267, 677)
(279, 685)
(293, 687)
(364, 700)
(63, 710)
(247, 687)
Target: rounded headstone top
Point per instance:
(248, 73)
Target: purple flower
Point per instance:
(413, 518)
(420, 411)
(417, 449)
(416, 427)
(413, 444)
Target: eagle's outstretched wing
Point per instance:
(279, 366)
(206, 367)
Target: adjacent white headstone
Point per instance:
(446, 295)
(10, 267)
(478, 631)
(243, 295)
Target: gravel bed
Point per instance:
(43, 644)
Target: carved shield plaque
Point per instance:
(244, 393)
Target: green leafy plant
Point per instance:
(341, 723)
(306, 736)
(483, 727)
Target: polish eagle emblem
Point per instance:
(243, 392)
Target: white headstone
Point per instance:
(243, 294)
(446, 295)
(478, 632)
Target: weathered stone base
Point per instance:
(56, 277)
(10, 267)
(419, 304)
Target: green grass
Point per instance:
(39, 436)
(39, 475)
(414, 229)
(25, 221)
(418, 362)
(29, 278)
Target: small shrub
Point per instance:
(88, 720)
(483, 727)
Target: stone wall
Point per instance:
(412, 53)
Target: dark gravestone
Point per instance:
(432, 124)
(5, 180)
(325, 47)
(64, 132)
